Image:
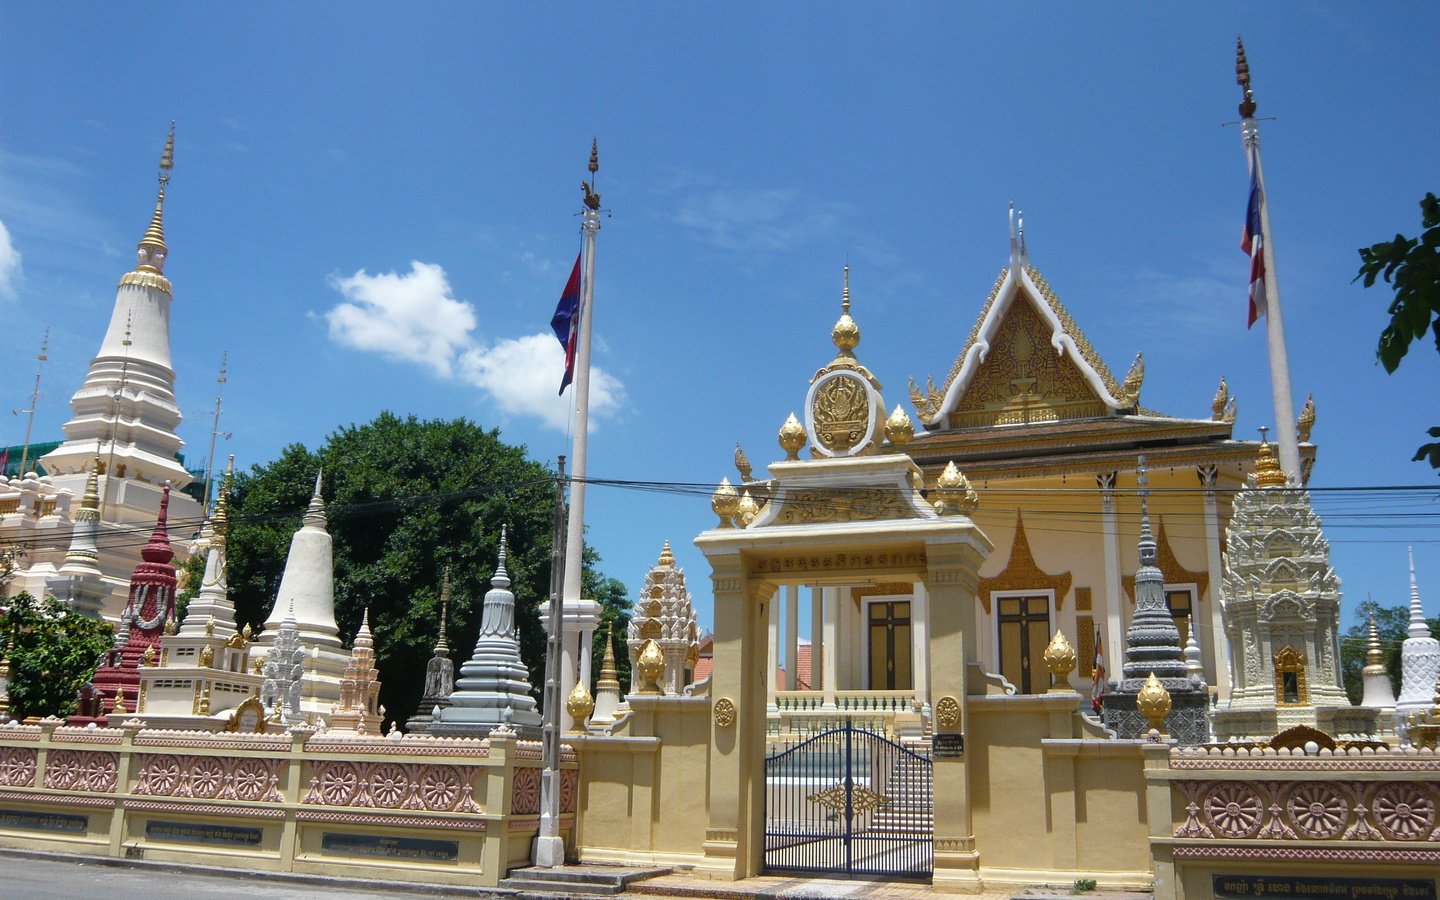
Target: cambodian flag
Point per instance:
(1097, 675)
(566, 322)
(1253, 243)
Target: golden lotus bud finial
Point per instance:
(579, 705)
(1267, 468)
(651, 665)
(954, 493)
(1154, 702)
(845, 334)
(724, 501)
(1061, 659)
(792, 438)
(746, 510)
(898, 428)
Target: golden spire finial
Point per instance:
(845, 334)
(220, 521)
(1242, 78)
(1267, 467)
(1374, 654)
(594, 155)
(667, 558)
(152, 251)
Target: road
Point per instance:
(43, 879)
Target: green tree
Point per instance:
(405, 498)
(1411, 266)
(1392, 625)
(54, 652)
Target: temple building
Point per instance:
(125, 413)
(307, 590)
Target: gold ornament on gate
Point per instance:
(947, 712)
(953, 492)
(792, 438)
(746, 510)
(579, 705)
(898, 428)
(651, 665)
(1154, 702)
(724, 501)
(1060, 658)
(724, 712)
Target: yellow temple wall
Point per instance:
(441, 810)
(1050, 804)
(643, 789)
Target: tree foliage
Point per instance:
(1392, 625)
(1411, 266)
(406, 498)
(55, 652)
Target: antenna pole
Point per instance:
(34, 397)
(215, 429)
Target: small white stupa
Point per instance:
(1419, 659)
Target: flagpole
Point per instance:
(1285, 426)
(580, 615)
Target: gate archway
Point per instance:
(849, 802)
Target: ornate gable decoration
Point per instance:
(1026, 361)
(1022, 573)
(1171, 568)
(844, 411)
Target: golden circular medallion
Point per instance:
(724, 712)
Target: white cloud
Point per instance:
(411, 317)
(415, 317)
(522, 375)
(9, 264)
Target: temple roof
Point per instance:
(1004, 375)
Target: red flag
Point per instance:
(566, 322)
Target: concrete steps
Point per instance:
(574, 881)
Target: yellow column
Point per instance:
(950, 585)
(734, 836)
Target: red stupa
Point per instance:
(142, 625)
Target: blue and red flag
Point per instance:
(566, 322)
(1252, 241)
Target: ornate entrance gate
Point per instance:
(850, 802)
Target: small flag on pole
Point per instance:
(566, 322)
(1253, 243)
(1097, 675)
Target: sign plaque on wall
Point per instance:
(1265, 887)
(43, 821)
(202, 833)
(392, 847)
(947, 746)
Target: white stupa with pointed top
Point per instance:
(494, 685)
(308, 587)
(126, 413)
(1379, 692)
(284, 671)
(79, 580)
(1419, 657)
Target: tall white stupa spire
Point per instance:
(1419, 657)
(128, 397)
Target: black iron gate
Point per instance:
(851, 802)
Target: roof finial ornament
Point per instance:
(1147, 541)
(442, 648)
(151, 252)
(501, 578)
(315, 512)
(592, 199)
(845, 334)
(1014, 242)
(1242, 78)
(1020, 232)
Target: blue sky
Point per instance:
(375, 209)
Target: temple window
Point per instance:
(888, 624)
(1181, 601)
(1023, 623)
